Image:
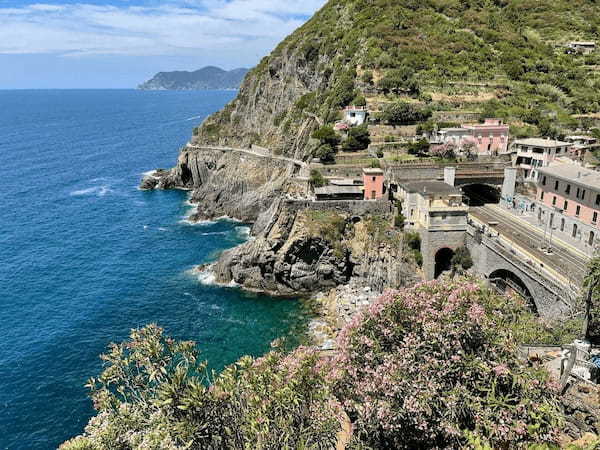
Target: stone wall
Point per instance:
(552, 300)
(434, 241)
(353, 207)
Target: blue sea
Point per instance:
(86, 256)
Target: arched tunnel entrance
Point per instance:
(479, 194)
(508, 282)
(443, 261)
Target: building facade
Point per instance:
(488, 138)
(568, 201)
(535, 153)
(436, 210)
(355, 115)
(373, 184)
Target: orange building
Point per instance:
(373, 181)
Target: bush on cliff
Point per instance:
(434, 366)
(154, 393)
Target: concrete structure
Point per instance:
(488, 138)
(568, 200)
(355, 115)
(333, 192)
(373, 182)
(494, 260)
(583, 47)
(534, 153)
(437, 212)
(509, 185)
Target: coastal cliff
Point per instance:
(306, 250)
(226, 183)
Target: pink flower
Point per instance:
(501, 369)
(476, 312)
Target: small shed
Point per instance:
(355, 115)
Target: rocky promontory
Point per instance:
(307, 250)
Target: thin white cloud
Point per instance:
(177, 28)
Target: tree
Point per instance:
(325, 152)
(316, 179)
(326, 135)
(358, 139)
(398, 81)
(403, 113)
(418, 148)
(462, 259)
(444, 151)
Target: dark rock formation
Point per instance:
(309, 250)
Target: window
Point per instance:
(595, 217)
(544, 180)
(374, 178)
(566, 205)
(562, 224)
(591, 238)
(574, 234)
(556, 185)
(554, 201)
(583, 195)
(568, 189)
(577, 211)
(542, 196)
(577, 193)
(597, 199)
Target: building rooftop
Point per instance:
(373, 171)
(339, 190)
(431, 187)
(573, 173)
(541, 142)
(345, 182)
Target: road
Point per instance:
(249, 152)
(562, 260)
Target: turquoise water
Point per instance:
(86, 256)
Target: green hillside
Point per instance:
(499, 58)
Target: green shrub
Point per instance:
(462, 259)
(358, 139)
(326, 135)
(402, 113)
(399, 221)
(413, 240)
(316, 179)
(375, 164)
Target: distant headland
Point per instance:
(207, 78)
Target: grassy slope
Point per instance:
(512, 49)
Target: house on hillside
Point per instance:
(582, 47)
(489, 138)
(355, 115)
(373, 182)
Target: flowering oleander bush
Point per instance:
(154, 394)
(434, 365)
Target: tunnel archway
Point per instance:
(479, 194)
(443, 261)
(508, 282)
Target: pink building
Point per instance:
(568, 200)
(373, 181)
(489, 138)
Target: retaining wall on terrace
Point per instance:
(354, 207)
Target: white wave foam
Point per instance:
(194, 118)
(150, 173)
(214, 233)
(207, 277)
(187, 221)
(243, 232)
(98, 191)
(162, 229)
(229, 219)
(145, 227)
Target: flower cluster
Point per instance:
(425, 367)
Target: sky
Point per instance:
(121, 43)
